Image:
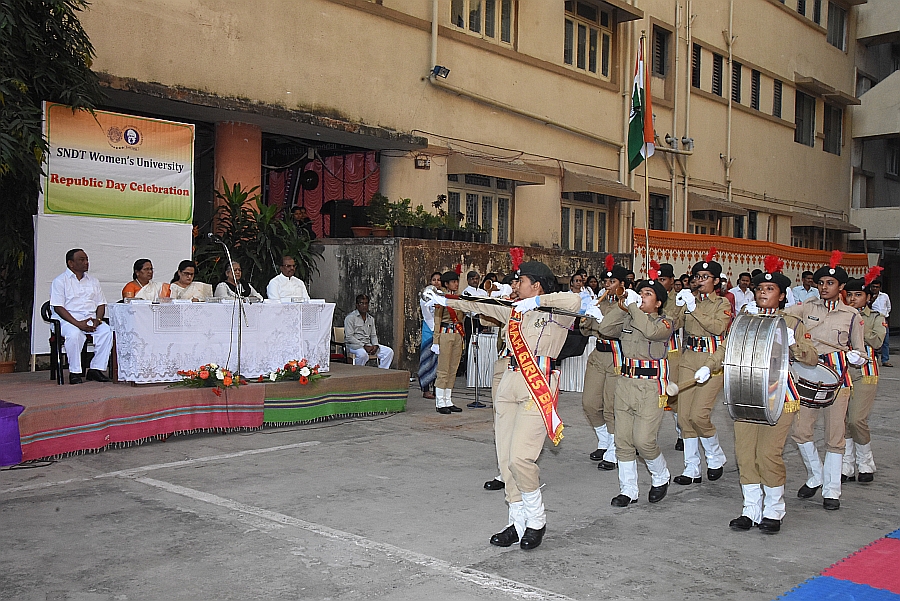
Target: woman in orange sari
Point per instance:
(142, 286)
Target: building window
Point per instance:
(502, 221)
(736, 81)
(776, 99)
(661, 39)
(817, 11)
(754, 89)
(834, 119)
(805, 119)
(588, 38)
(892, 154)
(739, 226)
(751, 225)
(583, 221)
(704, 222)
(717, 74)
(453, 203)
(490, 19)
(695, 66)
(487, 211)
(659, 212)
(801, 7)
(837, 26)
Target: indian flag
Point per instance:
(640, 123)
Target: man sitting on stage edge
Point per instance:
(80, 304)
(285, 287)
(361, 338)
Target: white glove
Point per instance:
(631, 297)
(437, 299)
(527, 304)
(594, 311)
(751, 308)
(855, 358)
(435, 349)
(792, 338)
(702, 375)
(501, 291)
(686, 299)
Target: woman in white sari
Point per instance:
(228, 289)
(143, 286)
(183, 285)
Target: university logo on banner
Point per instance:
(118, 166)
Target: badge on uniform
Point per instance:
(812, 318)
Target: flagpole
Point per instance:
(646, 160)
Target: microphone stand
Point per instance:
(240, 300)
(476, 404)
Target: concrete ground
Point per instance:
(393, 508)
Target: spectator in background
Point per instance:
(807, 290)
(361, 337)
(881, 302)
(593, 285)
(742, 292)
(302, 222)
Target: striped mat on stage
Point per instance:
(371, 392)
(870, 574)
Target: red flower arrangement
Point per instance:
(294, 371)
(209, 376)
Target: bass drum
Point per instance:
(756, 368)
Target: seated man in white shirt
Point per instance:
(361, 338)
(807, 290)
(285, 287)
(78, 301)
(742, 292)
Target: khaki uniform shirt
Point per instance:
(874, 329)
(838, 329)
(545, 333)
(643, 336)
(610, 310)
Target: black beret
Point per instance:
(449, 276)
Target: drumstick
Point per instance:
(672, 389)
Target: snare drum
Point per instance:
(756, 368)
(817, 385)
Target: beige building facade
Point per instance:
(524, 128)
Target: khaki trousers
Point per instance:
(759, 449)
(695, 405)
(598, 398)
(835, 420)
(638, 417)
(519, 432)
(862, 399)
(448, 360)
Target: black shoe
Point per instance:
(494, 485)
(741, 523)
(685, 480)
(443, 410)
(622, 501)
(806, 492)
(454, 409)
(714, 473)
(679, 445)
(598, 454)
(532, 538)
(866, 477)
(75, 378)
(769, 526)
(97, 376)
(845, 479)
(657, 493)
(607, 465)
(507, 538)
(831, 504)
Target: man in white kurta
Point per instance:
(742, 292)
(362, 339)
(285, 287)
(78, 301)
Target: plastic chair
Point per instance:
(58, 347)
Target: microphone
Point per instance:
(213, 237)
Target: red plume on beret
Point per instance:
(710, 255)
(873, 274)
(458, 268)
(609, 262)
(836, 257)
(516, 254)
(773, 264)
(654, 271)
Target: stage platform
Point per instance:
(61, 420)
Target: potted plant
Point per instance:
(7, 351)
(379, 212)
(402, 218)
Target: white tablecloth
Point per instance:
(487, 354)
(571, 370)
(154, 341)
